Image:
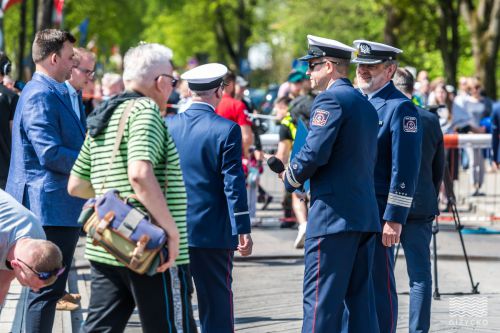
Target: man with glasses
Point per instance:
(24, 253)
(146, 150)
(46, 138)
(217, 212)
(82, 73)
(398, 162)
(339, 158)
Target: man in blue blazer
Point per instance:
(396, 172)
(218, 222)
(47, 136)
(339, 158)
(417, 232)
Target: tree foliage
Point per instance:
(436, 35)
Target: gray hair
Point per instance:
(143, 63)
(204, 93)
(109, 79)
(342, 64)
(403, 80)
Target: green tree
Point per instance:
(483, 21)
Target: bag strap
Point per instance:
(119, 136)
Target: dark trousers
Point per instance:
(212, 275)
(415, 238)
(337, 278)
(163, 300)
(384, 284)
(42, 306)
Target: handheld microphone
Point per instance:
(275, 165)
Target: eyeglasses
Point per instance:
(45, 275)
(90, 73)
(174, 80)
(312, 65)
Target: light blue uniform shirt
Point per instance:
(15, 222)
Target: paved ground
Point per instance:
(268, 285)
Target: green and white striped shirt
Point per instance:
(145, 139)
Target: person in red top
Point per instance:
(235, 110)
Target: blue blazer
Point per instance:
(339, 158)
(430, 176)
(209, 148)
(399, 152)
(47, 136)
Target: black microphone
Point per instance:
(275, 165)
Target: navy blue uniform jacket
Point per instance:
(430, 176)
(495, 132)
(209, 149)
(339, 158)
(399, 152)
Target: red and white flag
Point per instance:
(6, 4)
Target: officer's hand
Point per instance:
(391, 233)
(282, 176)
(494, 167)
(245, 245)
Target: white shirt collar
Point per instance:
(71, 89)
(211, 106)
(370, 95)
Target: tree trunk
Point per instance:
(45, 10)
(393, 20)
(22, 40)
(448, 40)
(483, 22)
(223, 36)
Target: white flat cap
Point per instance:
(205, 77)
(324, 47)
(373, 53)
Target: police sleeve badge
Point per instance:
(320, 117)
(410, 124)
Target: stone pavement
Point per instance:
(268, 285)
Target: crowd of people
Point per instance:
(186, 148)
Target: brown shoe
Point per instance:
(63, 305)
(72, 298)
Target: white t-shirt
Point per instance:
(15, 222)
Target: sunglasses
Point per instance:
(174, 80)
(312, 65)
(45, 275)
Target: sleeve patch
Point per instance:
(320, 117)
(410, 124)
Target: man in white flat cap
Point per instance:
(398, 161)
(339, 159)
(218, 221)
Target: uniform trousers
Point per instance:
(212, 275)
(384, 284)
(337, 276)
(163, 300)
(415, 239)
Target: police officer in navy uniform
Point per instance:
(339, 158)
(417, 232)
(396, 172)
(218, 222)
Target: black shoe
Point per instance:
(287, 225)
(268, 200)
(478, 194)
